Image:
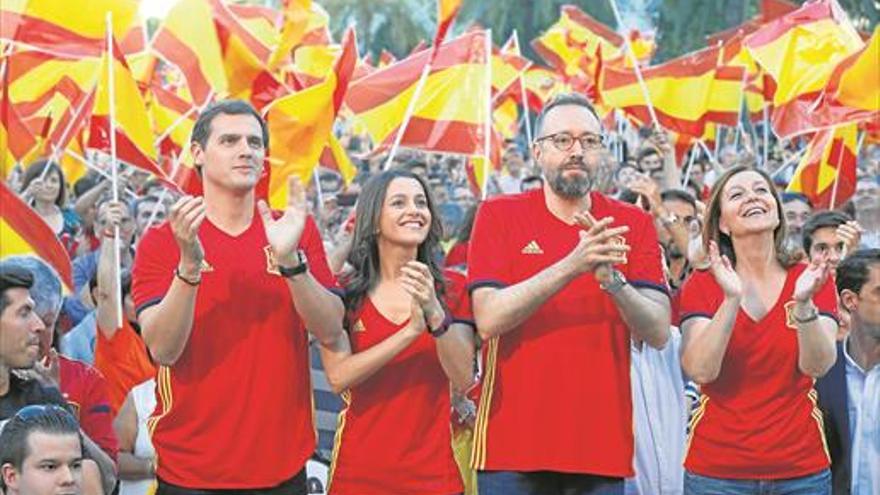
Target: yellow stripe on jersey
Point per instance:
(816, 413)
(166, 399)
(337, 440)
(478, 455)
(698, 415)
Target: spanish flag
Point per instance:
(452, 110)
(446, 12)
(686, 92)
(260, 21)
(336, 158)
(72, 27)
(24, 232)
(853, 91)
(508, 65)
(134, 138)
(172, 118)
(800, 51)
(188, 39)
(300, 124)
(35, 78)
(296, 21)
(830, 158)
(568, 44)
(16, 140)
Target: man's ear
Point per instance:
(198, 156)
(10, 477)
(849, 300)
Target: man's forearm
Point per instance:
(320, 309)
(166, 327)
(648, 318)
(497, 311)
(105, 464)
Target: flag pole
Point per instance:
(57, 150)
(739, 114)
(487, 139)
(316, 177)
(632, 56)
(766, 136)
(690, 165)
(410, 108)
(113, 164)
(523, 96)
(160, 200)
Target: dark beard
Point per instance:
(573, 187)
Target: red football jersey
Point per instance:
(758, 419)
(394, 434)
(235, 410)
(556, 390)
(85, 389)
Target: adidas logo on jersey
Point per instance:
(532, 248)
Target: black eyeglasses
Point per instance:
(563, 141)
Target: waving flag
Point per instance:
(134, 138)
(452, 109)
(16, 140)
(830, 158)
(568, 45)
(800, 51)
(24, 232)
(447, 10)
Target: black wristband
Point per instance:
(189, 282)
(302, 267)
(443, 328)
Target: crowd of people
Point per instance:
(594, 319)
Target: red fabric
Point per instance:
(457, 255)
(124, 362)
(556, 389)
(394, 435)
(235, 410)
(85, 389)
(760, 420)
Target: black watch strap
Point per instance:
(299, 269)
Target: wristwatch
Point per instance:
(615, 283)
(301, 267)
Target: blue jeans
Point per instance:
(546, 483)
(814, 484)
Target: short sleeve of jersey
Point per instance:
(457, 298)
(157, 256)
(96, 417)
(487, 267)
(698, 296)
(316, 257)
(644, 265)
(826, 300)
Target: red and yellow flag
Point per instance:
(24, 232)
(336, 158)
(134, 138)
(301, 123)
(569, 44)
(686, 92)
(830, 158)
(447, 10)
(16, 140)
(452, 109)
(296, 21)
(66, 27)
(172, 119)
(508, 65)
(800, 51)
(188, 39)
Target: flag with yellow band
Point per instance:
(830, 158)
(569, 44)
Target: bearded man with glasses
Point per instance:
(562, 278)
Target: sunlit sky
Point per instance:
(155, 8)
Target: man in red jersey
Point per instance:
(561, 279)
(225, 291)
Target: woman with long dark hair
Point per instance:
(46, 192)
(757, 330)
(400, 352)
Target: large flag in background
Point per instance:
(686, 92)
(450, 115)
(36, 78)
(16, 140)
(188, 39)
(830, 157)
(134, 137)
(173, 119)
(800, 51)
(296, 21)
(24, 232)
(65, 26)
(570, 43)
(300, 124)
